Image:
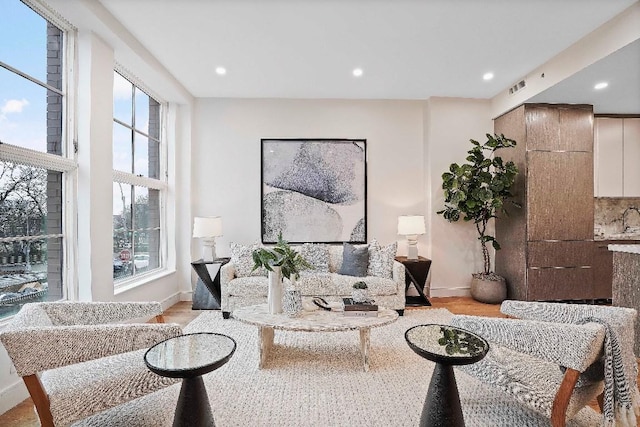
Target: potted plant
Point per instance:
(477, 191)
(360, 292)
(281, 261)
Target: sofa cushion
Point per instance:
(311, 284)
(248, 286)
(530, 380)
(355, 260)
(242, 258)
(317, 255)
(381, 259)
(99, 384)
(376, 285)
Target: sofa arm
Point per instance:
(227, 274)
(571, 346)
(34, 350)
(68, 313)
(398, 276)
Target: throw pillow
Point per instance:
(242, 259)
(381, 259)
(317, 255)
(355, 260)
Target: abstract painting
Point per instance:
(314, 190)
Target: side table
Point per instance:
(206, 295)
(446, 346)
(189, 357)
(416, 272)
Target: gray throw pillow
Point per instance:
(355, 260)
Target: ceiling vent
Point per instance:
(518, 86)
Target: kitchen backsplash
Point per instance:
(608, 213)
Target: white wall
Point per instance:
(454, 248)
(409, 145)
(226, 157)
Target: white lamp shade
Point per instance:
(409, 225)
(208, 226)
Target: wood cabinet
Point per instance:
(547, 246)
(603, 266)
(617, 155)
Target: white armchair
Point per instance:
(550, 360)
(76, 360)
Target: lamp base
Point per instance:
(208, 250)
(412, 248)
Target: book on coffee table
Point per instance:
(358, 309)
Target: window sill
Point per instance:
(142, 279)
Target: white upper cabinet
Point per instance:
(631, 153)
(617, 157)
(608, 157)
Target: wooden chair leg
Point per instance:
(561, 401)
(159, 318)
(601, 401)
(40, 399)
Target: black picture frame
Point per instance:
(313, 190)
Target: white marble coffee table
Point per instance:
(311, 321)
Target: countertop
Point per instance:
(617, 236)
(630, 249)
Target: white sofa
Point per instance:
(242, 291)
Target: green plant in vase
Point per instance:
(360, 293)
(281, 255)
(477, 191)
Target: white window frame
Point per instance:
(161, 185)
(67, 163)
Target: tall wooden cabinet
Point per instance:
(547, 246)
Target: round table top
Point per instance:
(190, 355)
(312, 321)
(446, 344)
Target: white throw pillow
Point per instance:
(317, 255)
(381, 259)
(242, 259)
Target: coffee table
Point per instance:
(311, 321)
(189, 357)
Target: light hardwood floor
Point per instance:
(24, 415)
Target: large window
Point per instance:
(35, 163)
(139, 184)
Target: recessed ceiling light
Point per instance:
(487, 76)
(357, 72)
(601, 85)
(221, 71)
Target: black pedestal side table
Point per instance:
(189, 357)
(446, 346)
(206, 296)
(416, 272)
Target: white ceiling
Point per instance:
(621, 70)
(408, 49)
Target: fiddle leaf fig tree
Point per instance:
(478, 190)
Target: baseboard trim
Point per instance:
(13, 395)
(171, 300)
(186, 295)
(451, 292)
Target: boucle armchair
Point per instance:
(77, 360)
(551, 360)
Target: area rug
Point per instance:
(317, 379)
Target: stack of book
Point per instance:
(358, 309)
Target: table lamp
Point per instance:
(411, 226)
(207, 228)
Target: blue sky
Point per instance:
(22, 103)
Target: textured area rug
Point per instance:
(317, 379)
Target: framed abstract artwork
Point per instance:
(314, 190)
